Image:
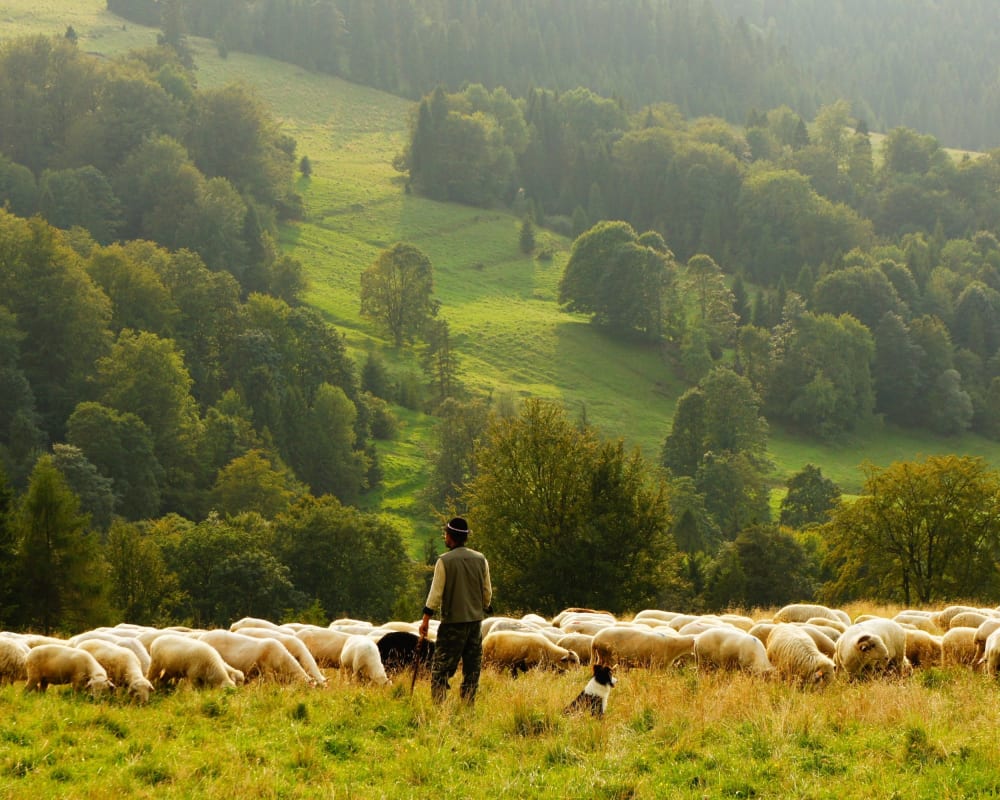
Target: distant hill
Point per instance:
(511, 338)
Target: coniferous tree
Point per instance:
(61, 573)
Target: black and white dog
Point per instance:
(594, 697)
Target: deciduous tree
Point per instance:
(920, 532)
(568, 519)
(397, 292)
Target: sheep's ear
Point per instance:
(865, 643)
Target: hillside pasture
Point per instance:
(507, 329)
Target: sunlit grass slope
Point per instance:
(501, 307)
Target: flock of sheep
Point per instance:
(805, 644)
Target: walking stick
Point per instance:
(417, 651)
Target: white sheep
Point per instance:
(324, 644)
(570, 613)
(129, 642)
(13, 659)
(923, 649)
(990, 660)
(795, 657)
(579, 643)
(943, 617)
(802, 612)
(894, 636)
(731, 648)
(294, 645)
(520, 651)
(264, 658)
(122, 666)
(638, 646)
(360, 660)
(860, 650)
(174, 657)
(825, 638)
(983, 633)
(654, 614)
(254, 622)
(918, 619)
(958, 647)
(59, 663)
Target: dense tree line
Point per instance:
(132, 149)
(684, 52)
(312, 558)
(859, 282)
(897, 64)
(900, 63)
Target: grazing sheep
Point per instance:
(122, 666)
(990, 660)
(569, 613)
(638, 646)
(943, 617)
(696, 626)
(803, 612)
(579, 643)
(923, 649)
(861, 650)
(128, 642)
(822, 636)
(293, 645)
(398, 649)
(983, 633)
(654, 614)
(740, 621)
(324, 644)
(894, 636)
(264, 658)
(969, 619)
(360, 660)
(174, 657)
(581, 623)
(762, 630)
(520, 651)
(835, 625)
(958, 647)
(796, 658)
(60, 663)
(254, 622)
(918, 619)
(491, 624)
(731, 648)
(13, 660)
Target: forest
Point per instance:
(182, 438)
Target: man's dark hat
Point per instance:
(458, 526)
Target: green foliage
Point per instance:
(251, 482)
(397, 292)
(353, 563)
(60, 570)
(810, 498)
(141, 590)
(616, 279)
(919, 532)
(763, 567)
(562, 514)
(526, 238)
(225, 571)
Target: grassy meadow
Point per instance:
(673, 733)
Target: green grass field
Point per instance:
(673, 733)
(510, 336)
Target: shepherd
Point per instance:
(462, 592)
